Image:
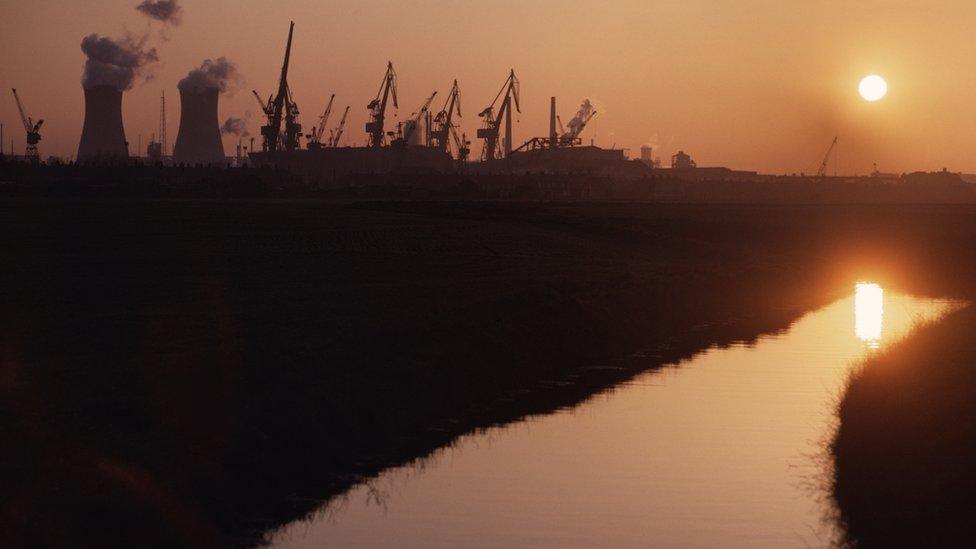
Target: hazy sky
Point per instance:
(750, 84)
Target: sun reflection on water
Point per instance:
(869, 313)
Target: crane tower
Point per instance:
(33, 130)
(281, 107)
(493, 121)
(377, 107)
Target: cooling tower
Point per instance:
(198, 141)
(103, 137)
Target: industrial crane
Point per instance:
(281, 106)
(444, 121)
(377, 107)
(822, 171)
(337, 134)
(492, 121)
(462, 144)
(33, 130)
(315, 138)
(410, 126)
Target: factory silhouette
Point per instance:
(426, 142)
(428, 150)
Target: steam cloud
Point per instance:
(114, 62)
(235, 126)
(578, 121)
(220, 73)
(166, 11)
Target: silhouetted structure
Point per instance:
(682, 161)
(103, 135)
(280, 107)
(646, 155)
(198, 140)
(32, 129)
(377, 107)
(493, 120)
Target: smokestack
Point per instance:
(552, 122)
(103, 137)
(198, 140)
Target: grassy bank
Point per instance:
(206, 370)
(906, 445)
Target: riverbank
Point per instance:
(906, 444)
(209, 369)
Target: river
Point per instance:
(726, 449)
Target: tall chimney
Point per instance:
(103, 137)
(552, 122)
(198, 140)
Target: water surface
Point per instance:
(724, 449)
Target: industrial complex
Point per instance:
(428, 141)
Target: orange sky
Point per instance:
(750, 84)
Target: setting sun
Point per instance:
(872, 88)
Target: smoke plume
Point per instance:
(220, 73)
(586, 110)
(115, 62)
(166, 11)
(235, 126)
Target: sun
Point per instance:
(872, 88)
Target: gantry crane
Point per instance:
(281, 106)
(337, 134)
(33, 130)
(315, 138)
(444, 121)
(822, 170)
(492, 121)
(410, 127)
(377, 107)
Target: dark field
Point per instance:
(190, 372)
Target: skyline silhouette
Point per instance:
(757, 85)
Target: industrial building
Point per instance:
(562, 152)
(428, 141)
(424, 143)
(198, 140)
(103, 135)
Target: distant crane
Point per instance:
(410, 126)
(822, 171)
(377, 107)
(462, 144)
(315, 138)
(281, 106)
(33, 130)
(492, 121)
(337, 135)
(444, 121)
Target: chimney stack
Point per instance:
(103, 136)
(198, 140)
(553, 137)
